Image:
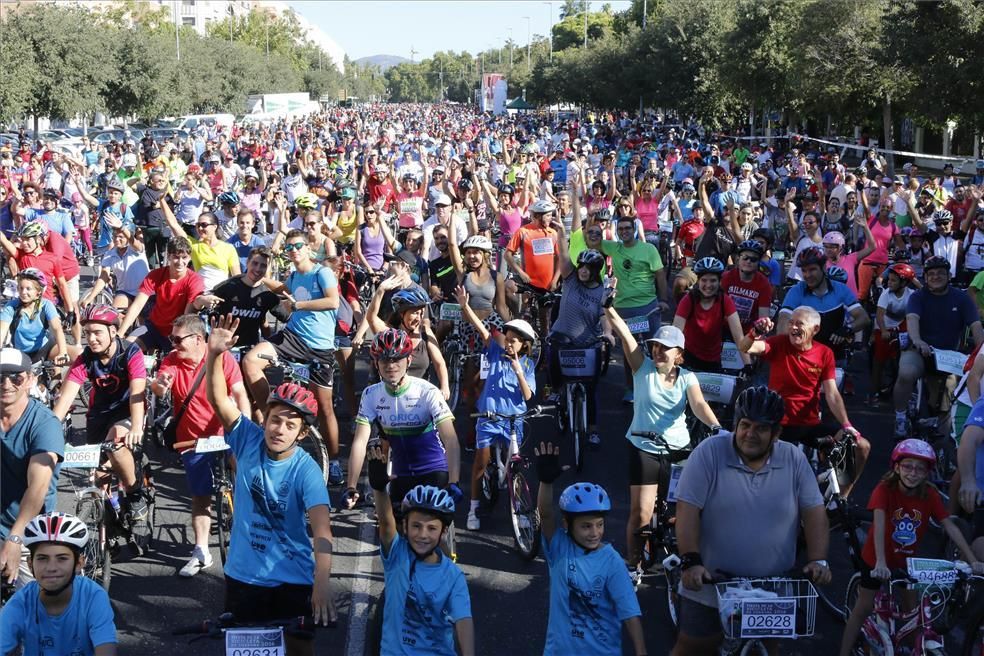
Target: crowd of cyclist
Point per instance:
(524, 237)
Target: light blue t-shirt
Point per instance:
(57, 220)
(31, 333)
(37, 431)
(658, 409)
(317, 329)
(976, 418)
(838, 295)
(270, 543)
(122, 211)
(423, 602)
(590, 596)
(83, 626)
(502, 392)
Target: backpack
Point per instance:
(12, 330)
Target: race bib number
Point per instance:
(210, 444)
(716, 388)
(302, 372)
(254, 642)
(450, 312)
(409, 205)
(237, 355)
(730, 358)
(638, 325)
(81, 457)
(951, 362)
(779, 256)
(768, 619)
(543, 246)
(483, 369)
(578, 363)
(676, 470)
(928, 571)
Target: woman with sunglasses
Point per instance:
(804, 235)
(215, 260)
(320, 245)
(371, 240)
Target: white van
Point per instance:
(192, 121)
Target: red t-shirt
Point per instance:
(173, 296)
(906, 520)
(382, 190)
(46, 263)
(796, 375)
(58, 246)
(703, 328)
(749, 297)
(199, 418)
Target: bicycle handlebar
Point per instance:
(535, 411)
(301, 627)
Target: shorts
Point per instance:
(493, 323)
(647, 468)
(399, 486)
(73, 289)
(153, 340)
(43, 352)
(292, 348)
(97, 429)
(258, 603)
(198, 472)
(490, 430)
(342, 342)
(698, 620)
(650, 310)
(884, 349)
(808, 435)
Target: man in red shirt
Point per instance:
(176, 289)
(178, 373)
(747, 286)
(800, 371)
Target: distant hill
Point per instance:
(382, 61)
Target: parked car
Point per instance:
(161, 135)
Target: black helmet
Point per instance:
(935, 262)
(753, 246)
(760, 404)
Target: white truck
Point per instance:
(264, 107)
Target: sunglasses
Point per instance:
(750, 258)
(177, 339)
(15, 378)
(203, 225)
(294, 247)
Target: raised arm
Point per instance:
(634, 354)
(222, 339)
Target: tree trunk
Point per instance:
(751, 120)
(889, 139)
(35, 130)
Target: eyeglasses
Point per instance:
(203, 225)
(16, 378)
(913, 469)
(177, 339)
(750, 258)
(311, 225)
(296, 246)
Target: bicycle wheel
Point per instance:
(490, 484)
(454, 361)
(579, 428)
(851, 595)
(98, 560)
(973, 644)
(672, 577)
(223, 511)
(525, 518)
(315, 447)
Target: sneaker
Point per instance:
(138, 508)
(472, 523)
(627, 398)
(594, 441)
(901, 426)
(635, 575)
(335, 476)
(199, 560)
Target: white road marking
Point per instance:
(358, 624)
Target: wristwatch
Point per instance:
(821, 563)
(16, 539)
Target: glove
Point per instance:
(455, 493)
(378, 477)
(548, 467)
(759, 327)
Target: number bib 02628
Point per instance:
(768, 618)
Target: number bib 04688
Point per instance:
(254, 642)
(768, 619)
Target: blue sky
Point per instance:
(370, 27)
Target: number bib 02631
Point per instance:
(254, 642)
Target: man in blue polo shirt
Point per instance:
(245, 240)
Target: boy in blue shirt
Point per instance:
(586, 614)
(427, 604)
(273, 570)
(59, 612)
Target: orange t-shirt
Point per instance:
(539, 248)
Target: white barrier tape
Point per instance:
(904, 153)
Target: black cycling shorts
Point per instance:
(257, 603)
(291, 347)
(647, 468)
(808, 435)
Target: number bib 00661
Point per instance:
(81, 457)
(254, 642)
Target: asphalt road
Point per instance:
(509, 596)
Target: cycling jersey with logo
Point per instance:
(408, 418)
(110, 393)
(246, 303)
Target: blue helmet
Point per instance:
(585, 498)
(228, 198)
(429, 499)
(708, 265)
(409, 299)
(837, 273)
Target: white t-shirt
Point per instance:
(894, 306)
(974, 250)
(129, 269)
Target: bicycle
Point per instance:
(659, 537)
(101, 505)
(223, 481)
(540, 303)
(578, 368)
(508, 469)
(944, 580)
(241, 637)
(295, 372)
(927, 418)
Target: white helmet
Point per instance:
(480, 242)
(542, 207)
(129, 160)
(56, 527)
(522, 327)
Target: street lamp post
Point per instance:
(510, 47)
(177, 31)
(266, 27)
(550, 27)
(587, 6)
(527, 41)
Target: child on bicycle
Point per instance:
(903, 503)
(890, 320)
(61, 611)
(509, 384)
(427, 604)
(32, 321)
(586, 614)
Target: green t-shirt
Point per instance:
(577, 245)
(635, 268)
(977, 285)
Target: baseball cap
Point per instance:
(887, 180)
(668, 336)
(443, 199)
(14, 361)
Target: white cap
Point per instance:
(443, 199)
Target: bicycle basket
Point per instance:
(767, 608)
(579, 363)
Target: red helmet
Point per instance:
(811, 255)
(298, 397)
(391, 344)
(101, 313)
(913, 448)
(904, 271)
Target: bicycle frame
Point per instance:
(917, 621)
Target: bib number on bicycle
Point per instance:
(302, 373)
(768, 619)
(930, 571)
(675, 472)
(81, 457)
(483, 369)
(254, 642)
(210, 444)
(951, 362)
(730, 358)
(638, 325)
(717, 388)
(450, 311)
(578, 363)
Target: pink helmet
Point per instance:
(834, 237)
(913, 448)
(101, 313)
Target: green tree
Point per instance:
(569, 32)
(20, 70)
